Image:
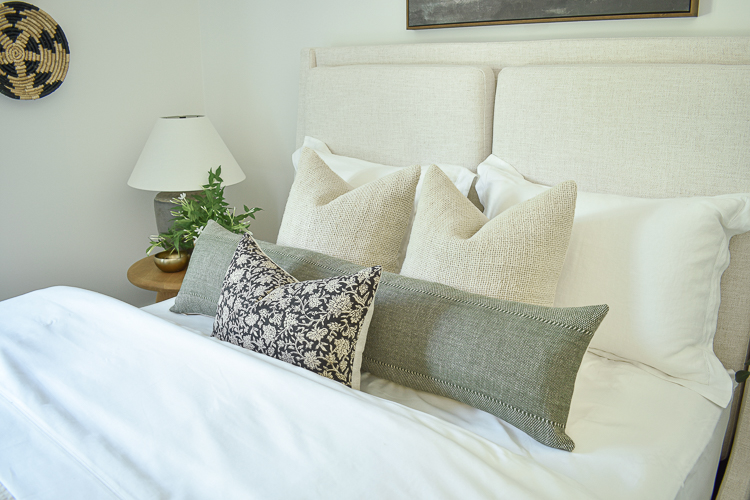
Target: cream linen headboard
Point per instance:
(682, 128)
(391, 114)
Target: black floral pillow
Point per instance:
(319, 325)
(251, 276)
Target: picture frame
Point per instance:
(427, 14)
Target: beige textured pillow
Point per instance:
(516, 256)
(364, 225)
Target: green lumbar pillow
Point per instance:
(516, 361)
(199, 293)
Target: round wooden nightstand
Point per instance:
(144, 274)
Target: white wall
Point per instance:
(69, 216)
(251, 63)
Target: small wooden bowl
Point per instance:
(171, 262)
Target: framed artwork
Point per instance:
(423, 14)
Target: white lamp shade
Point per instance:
(178, 154)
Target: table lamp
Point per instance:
(176, 159)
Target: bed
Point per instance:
(512, 334)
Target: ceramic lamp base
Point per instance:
(163, 207)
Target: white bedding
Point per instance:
(103, 400)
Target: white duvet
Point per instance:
(99, 399)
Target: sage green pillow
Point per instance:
(214, 249)
(201, 287)
(516, 361)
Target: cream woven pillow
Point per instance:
(364, 225)
(516, 256)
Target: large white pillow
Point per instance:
(359, 172)
(657, 263)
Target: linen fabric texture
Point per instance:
(357, 172)
(389, 113)
(561, 121)
(320, 325)
(516, 361)
(364, 225)
(517, 257)
(658, 263)
(201, 287)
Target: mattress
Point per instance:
(633, 431)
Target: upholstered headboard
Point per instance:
(400, 114)
(653, 117)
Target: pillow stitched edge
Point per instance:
(498, 309)
(451, 384)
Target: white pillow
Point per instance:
(359, 172)
(657, 263)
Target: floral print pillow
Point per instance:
(319, 325)
(251, 276)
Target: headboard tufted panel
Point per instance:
(658, 131)
(397, 115)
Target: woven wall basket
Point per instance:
(34, 53)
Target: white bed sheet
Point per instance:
(101, 400)
(633, 432)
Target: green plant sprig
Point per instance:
(193, 213)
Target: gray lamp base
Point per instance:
(163, 207)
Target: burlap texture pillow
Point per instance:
(364, 225)
(516, 256)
